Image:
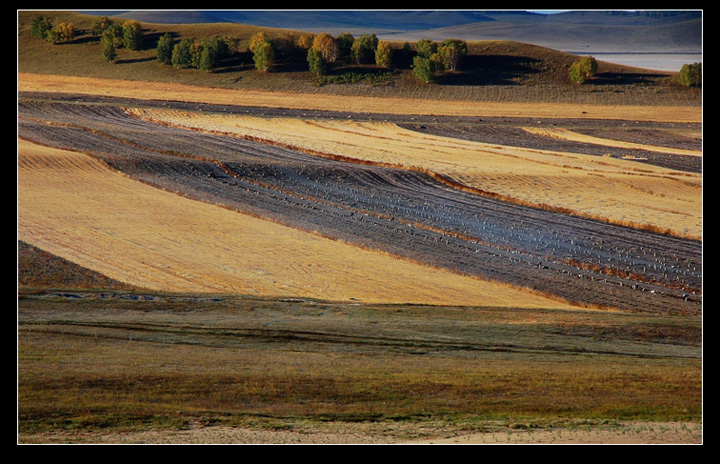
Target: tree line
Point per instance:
(321, 51)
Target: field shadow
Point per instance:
(616, 78)
(490, 70)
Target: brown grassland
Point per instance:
(148, 316)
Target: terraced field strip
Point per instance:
(28, 82)
(76, 207)
(566, 134)
(616, 190)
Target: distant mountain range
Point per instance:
(576, 31)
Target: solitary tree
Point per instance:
(691, 75)
(581, 70)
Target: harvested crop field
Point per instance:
(432, 211)
(456, 276)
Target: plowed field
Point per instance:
(470, 211)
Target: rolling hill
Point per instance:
(616, 31)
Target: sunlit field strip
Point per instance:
(566, 134)
(618, 190)
(170, 91)
(77, 208)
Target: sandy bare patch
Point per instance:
(631, 433)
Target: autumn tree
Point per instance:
(450, 53)
(100, 24)
(257, 39)
(582, 69)
(305, 40)
(62, 33)
(326, 45)
(383, 54)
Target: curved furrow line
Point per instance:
(403, 212)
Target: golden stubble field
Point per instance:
(158, 240)
(77, 207)
(612, 189)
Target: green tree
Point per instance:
(363, 48)
(132, 35)
(263, 56)
(108, 50)
(582, 69)
(100, 24)
(423, 68)
(316, 62)
(164, 49)
(451, 52)
(691, 75)
(426, 48)
(114, 32)
(212, 51)
(344, 42)
(40, 27)
(383, 54)
(181, 54)
(576, 73)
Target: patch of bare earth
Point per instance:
(363, 433)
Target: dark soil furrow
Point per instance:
(406, 213)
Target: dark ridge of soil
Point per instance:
(405, 213)
(38, 268)
(501, 130)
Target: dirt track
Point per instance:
(402, 212)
